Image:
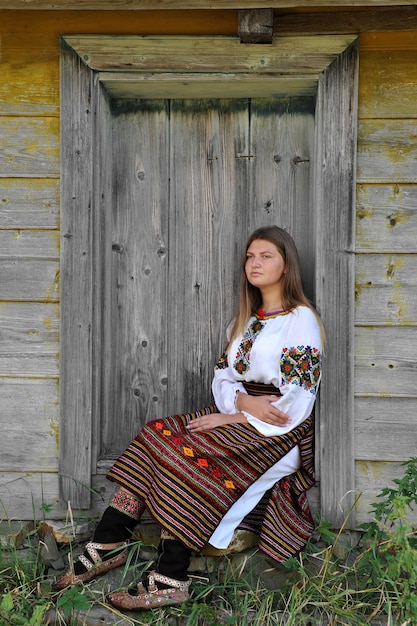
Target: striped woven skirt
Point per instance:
(189, 480)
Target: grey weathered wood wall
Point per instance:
(386, 234)
(386, 264)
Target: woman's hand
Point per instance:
(208, 422)
(262, 408)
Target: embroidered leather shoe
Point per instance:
(94, 563)
(140, 599)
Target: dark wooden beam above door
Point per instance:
(290, 17)
(326, 23)
(256, 25)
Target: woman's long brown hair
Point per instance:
(250, 299)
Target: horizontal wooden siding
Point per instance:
(386, 263)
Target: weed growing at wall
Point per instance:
(389, 561)
(20, 601)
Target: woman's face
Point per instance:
(264, 265)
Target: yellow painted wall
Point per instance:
(29, 247)
(30, 45)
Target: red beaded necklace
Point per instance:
(262, 315)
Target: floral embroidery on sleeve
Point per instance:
(222, 362)
(242, 360)
(301, 365)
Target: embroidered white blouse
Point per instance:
(283, 349)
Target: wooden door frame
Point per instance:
(94, 68)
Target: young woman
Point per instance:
(246, 461)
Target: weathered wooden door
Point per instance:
(157, 201)
(190, 180)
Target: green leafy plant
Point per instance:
(34, 617)
(72, 599)
(46, 507)
(390, 560)
(20, 603)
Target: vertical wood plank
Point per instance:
(335, 200)
(206, 184)
(140, 308)
(103, 198)
(282, 149)
(76, 281)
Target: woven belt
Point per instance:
(261, 389)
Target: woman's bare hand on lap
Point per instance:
(213, 420)
(262, 408)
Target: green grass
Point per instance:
(329, 583)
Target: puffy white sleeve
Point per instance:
(300, 367)
(225, 386)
